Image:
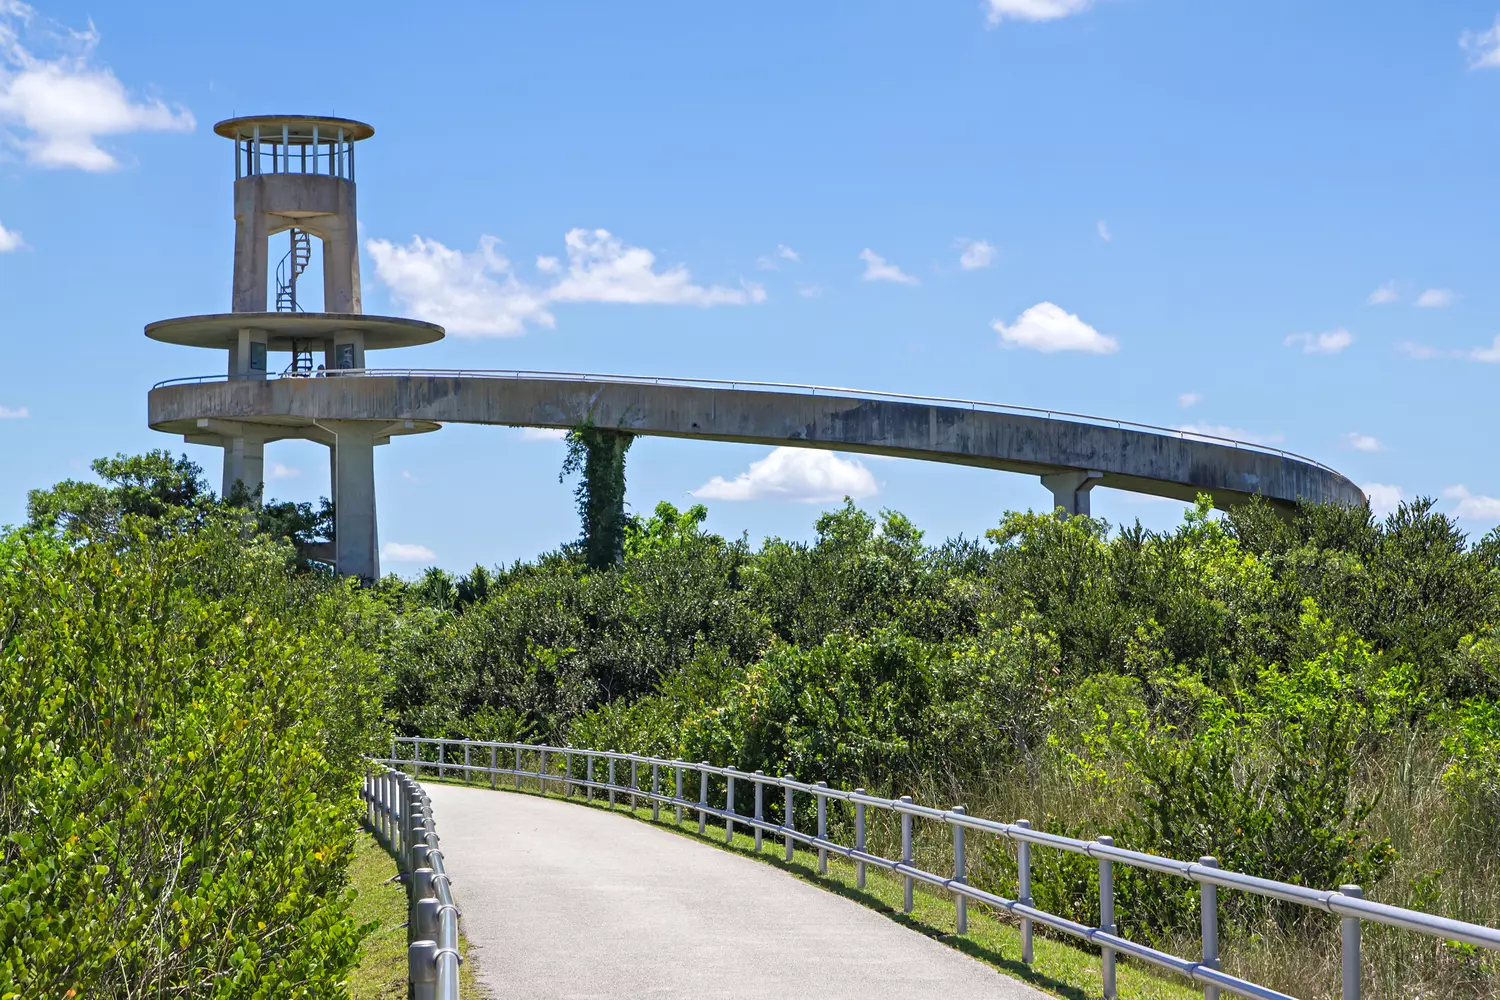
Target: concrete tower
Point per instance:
(294, 174)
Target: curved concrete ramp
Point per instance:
(561, 901)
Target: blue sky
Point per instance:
(1277, 218)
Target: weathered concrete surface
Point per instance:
(1125, 458)
(560, 902)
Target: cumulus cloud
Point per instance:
(975, 254)
(877, 268)
(602, 268)
(1473, 505)
(9, 240)
(1034, 10)
(16, 413)
(1489, 355)
(1187, 399)
(472, 294)
(1104, 233)
(1483, 47)
(1384, 295)
(1230, 433)
(772, 261)
(1363, 442)
(404, 552)
(1436, 298)
(56, 102)
(805, 475)
(279, 471)
(1384, 498)
(543, 434)
(1049, 328)
(1331, 342)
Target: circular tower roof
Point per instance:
(298, 128)
(284, 329)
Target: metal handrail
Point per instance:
(973, 404)
(400, 817)
(1347, 902)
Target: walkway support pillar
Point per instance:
(244, 462)
(1070, 491)
(356, 537)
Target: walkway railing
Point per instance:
(1182, 433)
(400, 817)
(1348, 902)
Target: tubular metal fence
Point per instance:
(1347, 903)
(400, 817)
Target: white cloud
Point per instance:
(1331, 342)
(1384, 295)
(1187, 399)
(1384, 498)
(1363, 442)
(472, 294)
(877, 269)
(976, 254)
(1034, 10)
(1418, 352)
(1049, 328)
(406, 475)
(1436, 298)
(806, 475)
(10, 240)
(1483, 47)
(602, 268)
(19, 413)
(810, 291)
(1489, 355)
(58, 103)
(1472, 505)
(279, 471)
(769, 262)
(543, 434)
(1104, 233)
(1231, 433)
(403, 552)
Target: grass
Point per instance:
(1058, 967)
(381, 900)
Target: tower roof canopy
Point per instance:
(297, 129)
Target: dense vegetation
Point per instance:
(186, 713)
(1313, 698)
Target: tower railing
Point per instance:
(327, 153)
(556, 770)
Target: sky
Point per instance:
(1274, 221)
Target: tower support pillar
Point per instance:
(356, 537)
(1070, 491)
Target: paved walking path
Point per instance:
(560, 901)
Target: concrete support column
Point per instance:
(244, 462)
(1070, 491)
(348, 350)
(341, 292)
(356, 539)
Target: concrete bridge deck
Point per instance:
(561, 902)
(1072, 453)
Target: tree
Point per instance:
(598, 454)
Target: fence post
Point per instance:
(759, 812)
(543, 771)
(729, 808)
(1107, 918)
(611, 781)
(960, 869)
(588, 777)
(494, 777)
(702, 796)
(1023, 864)
(859, 840)
(635, 781)
(906, 854)
(442, 771)
(1210, 898)
(678, 768)
(568, 774)
(655, 792)
(466, 763)
(1350, 951)
(822, 829)
(421, 969)
(791, 818)
(518, 768)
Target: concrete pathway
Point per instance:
(561, 901)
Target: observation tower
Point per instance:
(294, 175)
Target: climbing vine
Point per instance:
(597, 454)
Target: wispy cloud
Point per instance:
(1049, 328)
(1188, 399)
(772, 261)
(1034, 10)
(9, 240)
(1483, 47)
(974, 254)
(279, 471)
(810, 291)
(1384, 498)
(1489, 354)
(877, 268)
(1332, 342)
(1231, 433)
(1475, 506)
(405, 552)
(56, 101)
(803, 475)
(1436, 298)
(1384, 295)
(1363, 442)
(14, 413)
(1103, 230)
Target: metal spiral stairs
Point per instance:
(292, 264)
